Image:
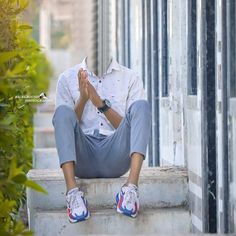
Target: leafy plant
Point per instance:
(24, 71)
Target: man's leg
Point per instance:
(64, 122)
(135, 168)
(126, 148)
(139, 120)
(69, 174)
(132, 136)
(66, 131)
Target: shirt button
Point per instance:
(101, 124)
(100, 81)
(98, 112)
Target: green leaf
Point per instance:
(6, 56)
(35, 186)
(19, 68)
(25, 27)
(13, 169)
(23, 3)
(8, 120)
(20, 178)
(6, 206)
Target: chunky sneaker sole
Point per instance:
(124, 211)
(77, 206)
(79, 218)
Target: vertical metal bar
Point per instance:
(117, 30)
(96, 41)
(125, 42)
(155, 82)
(126, 37)
(143, 42)
(231, 22)
(128, 31)
(231, 88)
(148, 65)
(192, 48)
(123, 33)
(230, 28)
(203, 87)
(211, 113)
(165, 62)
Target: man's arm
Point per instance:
(114, 118)
(79, 108)
(87, 91)
(84, 96)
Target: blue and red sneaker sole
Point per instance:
(124, 211)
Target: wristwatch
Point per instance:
(107, 105)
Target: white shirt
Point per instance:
(120, 85)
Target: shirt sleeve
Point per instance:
(63, 95)
(136, 91)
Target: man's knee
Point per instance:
(63, 113)
(140, 106)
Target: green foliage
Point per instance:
(24, 71)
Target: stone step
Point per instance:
(44, 137)
(158, 186)
(107, 221)
(43, 119)
(45, 158)
(46, 107)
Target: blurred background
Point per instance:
(70, 30)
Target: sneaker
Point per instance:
(128, 200)
(77, 206)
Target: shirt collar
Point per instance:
(85, 66)
(114, 65)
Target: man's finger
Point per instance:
(79, 74)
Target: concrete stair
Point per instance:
(163, 195)
(107, 221)
(159, 187)
(44, 137)
(43, 119)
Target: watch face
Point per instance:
(107, 102)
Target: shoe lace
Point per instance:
(130, 196)
(76, 199)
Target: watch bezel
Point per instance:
(107, 105)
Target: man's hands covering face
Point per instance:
(87, 91)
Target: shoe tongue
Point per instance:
(131, 186)
(73, 190)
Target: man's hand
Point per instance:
(93, 96)
(83, 85)
(88, 92)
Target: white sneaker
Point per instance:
(77, 206)
(128, 200)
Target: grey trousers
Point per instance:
(100, 156)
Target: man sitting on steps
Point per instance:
(102, 127)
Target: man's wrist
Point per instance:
(99, 102)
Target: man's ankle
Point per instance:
(135, 185)
(71, 189)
